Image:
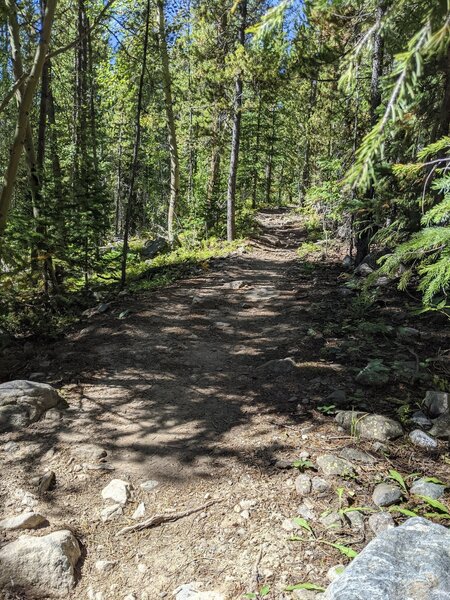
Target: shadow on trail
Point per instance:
(184, 383)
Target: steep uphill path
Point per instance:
(183, 393)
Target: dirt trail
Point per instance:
(180, 392)
(171, 391)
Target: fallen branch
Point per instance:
(164, 518)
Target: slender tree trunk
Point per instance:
(269, 163)
(236, 135)
(306, 175)
(365, 229)
(214, 170)
(137, 141)
(118, 194)
(256, 156)
(22, 124)
(92, 115)
(57, 178)
(172, 136)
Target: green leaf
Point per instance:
(345, 550)
(403, 511)
(303, 464)
(434, 515)
(302, 523)
(250, 595)
(264, 591)
(395, 475)
(305, 586)
(435, 504)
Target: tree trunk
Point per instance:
(306, 175)
(118, 192)
(214, 170)
(22, 125)
(172, 136)
(137, 141)
(256, 157)
(269, 163)
(236, 135)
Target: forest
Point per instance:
(174, 122)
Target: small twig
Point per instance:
(256, 567)
(157, 520)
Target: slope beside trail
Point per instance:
(182, 392)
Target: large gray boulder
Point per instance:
(24, 402)
(369, 427)
(43, 567)
(410, 562)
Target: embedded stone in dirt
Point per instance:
(303, 484)
(381, 521)
(369, 427)
(205, 301)
(117, 491)
(27, 520)
(386, 494)
(355, 519)
(43, 566)
(234, 285)
(320, 485)
(192, 591)
(262, 293)
(149, 485)
(422, 487)
(279, 366)
(330, 464)
(139, 512)
(23, 402)
(422, 440)
(332, 520)
(46, 482)
(105, 566)
(111, 512)
(353, 454)
(436, 403)
(441, 427)
(338, 397)
(410, 561)
(420, 419)
(88, 451)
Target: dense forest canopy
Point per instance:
(173, 121)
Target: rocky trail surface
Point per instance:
(210, 405)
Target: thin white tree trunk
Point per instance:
(29, 89)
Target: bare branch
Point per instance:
(85, 33)
(12, 91)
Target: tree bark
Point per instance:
(256, 156)
(236, 135)
(137, 141)
(172, 136)
(269, 163)
(22, 124)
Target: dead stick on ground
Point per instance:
(164, 518)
